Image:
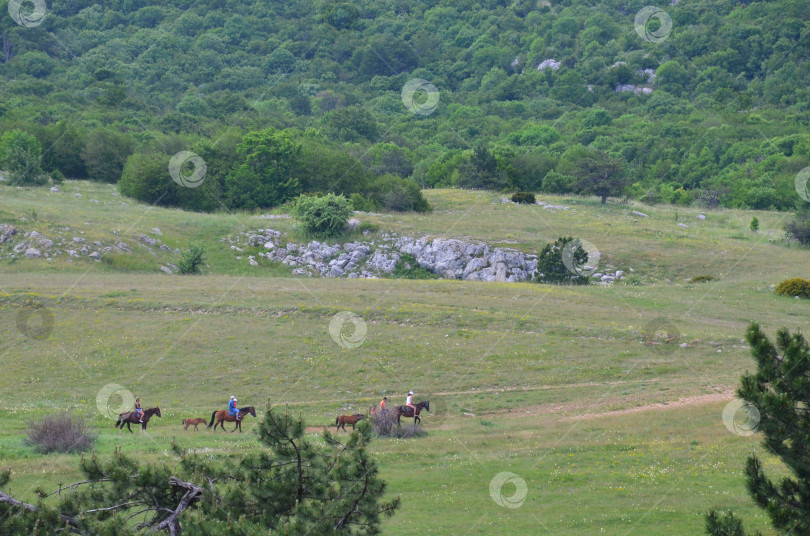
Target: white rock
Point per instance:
(701, 217)
(166, 269)
(269, 245)
(157, 231)
(637, 213)
(32, 253)
(95, 256)
(683, 226)
(54, 189)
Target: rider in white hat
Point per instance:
(409, 403)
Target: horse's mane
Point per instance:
(246, 408)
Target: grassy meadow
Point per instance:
(553, 384)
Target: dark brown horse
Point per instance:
(130, 418)
(405, 411)
(343, 420)
(222, 416)
(192, 422)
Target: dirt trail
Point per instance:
(564, 410)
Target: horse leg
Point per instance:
(128, 428)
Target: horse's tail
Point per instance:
(119, 421)
(337, 419)
(213, 416)
(184, 422)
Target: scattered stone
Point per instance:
(148, 240)
(353, 223)
(173, 267)
(77, 195)
(157, 231)
(6, 232)
(701, 217)
(32, 253)
(79, 240)
(123, 247)
(166, 270)
(72, 253)
(95, 256)
(46, 243)
(54, 189)
(640, 214)
(683, 226)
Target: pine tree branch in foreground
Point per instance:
(780, 390)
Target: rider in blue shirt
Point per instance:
(232, 409)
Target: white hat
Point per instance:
(410, 392)
(233, 398)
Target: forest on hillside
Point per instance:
(707, 101)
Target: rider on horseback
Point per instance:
(409, 404)
(138, 410)
(383, 403)
(232, 409)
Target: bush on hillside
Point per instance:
(559, 263)
(395, 193)
(385, 425)
(20, 155)
(60, 432)
(192, 260)
(524, 198)
(794, 287)
(799, 228)
(324, 215)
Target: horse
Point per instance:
(130, 418)
(408, 412)
(343, 420)
(192, 422)
(223, 416)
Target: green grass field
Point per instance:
(553, 384)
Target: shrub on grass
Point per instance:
(385, 425)
(794, 287)
(524, 198)
(323, 216)
(60, 432)
(702, 279)
(192, 260)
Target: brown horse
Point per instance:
(223, 416)
(130, 418)
(405, 411)
(343, 420)
(192, 422)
